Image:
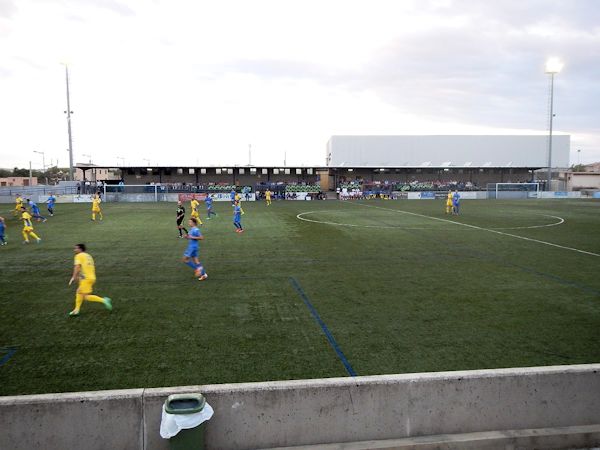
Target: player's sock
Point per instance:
(94, 298)
(93, 216)
(180, 233)
(185, 229)
(35, 236)
(191, 264)
(25, 237)
(78, 302)
(100, 216)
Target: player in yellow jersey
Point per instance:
(18, 205)
(195, 214)
(28, 227)
(449, 203)
(85, 272)
(268, 196)
(96, 200)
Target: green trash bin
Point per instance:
(190, 438)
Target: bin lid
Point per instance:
(184, 403)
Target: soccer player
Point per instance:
(232, 197)
(449, 202)
(51, 200)
(180, 217)
(28, 227)
(456, 203)
(195, 214)
(238, 201)
(190, 256)
(85, 272)
(237, 218)
(268, 196)
(2, 228)
(209, 202)
(96, 200)
(18, 205)
(35, 211)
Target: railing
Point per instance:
(37, 190)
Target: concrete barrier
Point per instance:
(324, 411)
(87, 420)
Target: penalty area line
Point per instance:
(328, 334)
(516, 236)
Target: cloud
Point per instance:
(7, 9)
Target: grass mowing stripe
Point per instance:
(479, 228)
(486, 256)
(328, 334)
(10, 351)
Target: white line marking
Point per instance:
(300, 216)
(480, 228)
(553, 224)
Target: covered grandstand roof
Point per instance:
(444, 151)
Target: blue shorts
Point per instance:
(237, 218)
(191, 252)
(35, 211)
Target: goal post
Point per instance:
(513, 190)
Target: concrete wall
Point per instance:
(305, 412)
(87, 420)
(578, 180)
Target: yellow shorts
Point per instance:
(195, 214)
(96, 210)
(448, 203)
(86, 287)
(27, 229)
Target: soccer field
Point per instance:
(310, 290)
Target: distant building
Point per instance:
(586, 179)
(91, 172)
(594, 167)
(18, 181)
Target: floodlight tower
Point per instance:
(68, 112)
(553, 66)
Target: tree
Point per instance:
(578, 168)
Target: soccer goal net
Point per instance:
(513, 190)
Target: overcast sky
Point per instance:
(195, 82)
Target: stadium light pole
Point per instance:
(68, 112)
(43, 159)
(553, 66)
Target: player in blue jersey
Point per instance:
(209, 203)
(455, 203)
(51, 200)
(237, 218)
(2, 228)
(35, 210)
(232, 197)
(190, 256)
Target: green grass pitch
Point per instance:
(397, 286)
